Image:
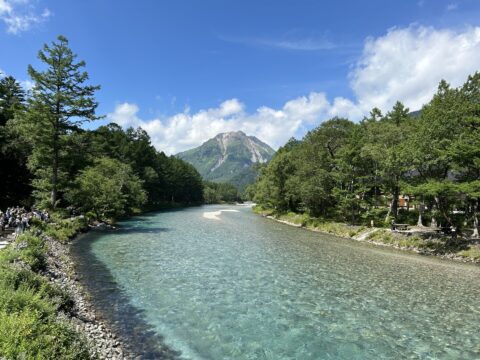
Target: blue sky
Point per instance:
(185, 70)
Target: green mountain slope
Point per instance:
(229, 157)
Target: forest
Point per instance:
(419, 167)
(49, 159)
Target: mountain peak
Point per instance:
(230, 133)
(227, 155)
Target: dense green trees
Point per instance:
(356, 172)
(165, 179)
(109, 189)
(108, 171)
(215, 193)
(14, 176)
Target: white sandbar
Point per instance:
(214, 215)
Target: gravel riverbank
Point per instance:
(103, 341)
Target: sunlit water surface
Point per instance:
(233, 285)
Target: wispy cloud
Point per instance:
(452, 6)
(21, 15)
(293, 40)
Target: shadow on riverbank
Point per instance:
(113, 305)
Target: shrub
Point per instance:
(24, 335)
(30, 327)
(473, 252)
(32, 251)
(64, 229)
(12, 279)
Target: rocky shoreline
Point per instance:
(104, 343)
(363, 238)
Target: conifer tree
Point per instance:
(61, 101)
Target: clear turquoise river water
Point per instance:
(238, 286)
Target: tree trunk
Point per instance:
(475, 221)
(394, 204)
(433, 224)
(56, 129)
(55, 173)
(388, 213)
(420, 213)
(442, 210)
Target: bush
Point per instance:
(24, 335)
(407, 217)
(32, 251)
(13, 279)
(294, 218)
(109, 188)
(473, 253)
(262, 210)
(24, 298)
(376, 214)
(63, 230)
(30, 327)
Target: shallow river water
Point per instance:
(213, 284)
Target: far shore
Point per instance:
(419, 242)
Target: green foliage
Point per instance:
(63, 229)
(60, 102)
(165, 179)
(13, 279)
(24, 335)
(473, 252)
(109, 188)
(263, 210)
(216, 193)
(13, 151)
(33, 251)
(355, 172)
(29, 307)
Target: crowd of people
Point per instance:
(19, 218)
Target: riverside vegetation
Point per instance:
(34, 311)
(354, 173)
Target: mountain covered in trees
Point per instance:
(356, 172)
(49, 160)
(229, 157)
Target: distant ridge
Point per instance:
(415, 114)
(229, 157)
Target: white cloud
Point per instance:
(185, 130)
(126, 115)
(21, 15)
(5, 7)
(406, 64)
(27, 84)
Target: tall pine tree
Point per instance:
(61, 101)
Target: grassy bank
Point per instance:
(421, 242)
(34, 312)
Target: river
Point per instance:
(219, 282)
